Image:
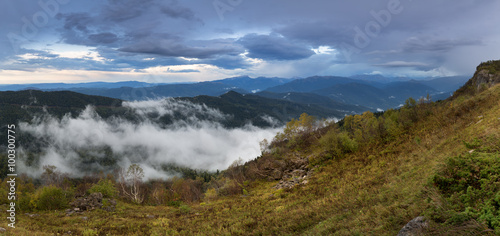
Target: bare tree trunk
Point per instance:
(131, 181)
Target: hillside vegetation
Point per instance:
(368, 174)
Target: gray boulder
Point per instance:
(414, 227)
(93, 201)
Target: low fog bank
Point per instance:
(87, 143)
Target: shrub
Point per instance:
(474, 144)
(230, 187)
(51, 198)
(490, 213)
(295, 128)
(25, 202)
(348, 145)
(106, 187)
(338, 143)
(330, 142)
(188, 190)
(211, 194)
(175, 203)
(471, 185)
(4, 191)
(25, 194)
(158, 193)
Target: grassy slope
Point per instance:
(372, 192)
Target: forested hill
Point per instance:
(252, 108)
(23, 105)
(55, 99)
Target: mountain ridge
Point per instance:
(384, 93)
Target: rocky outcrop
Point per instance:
(290, 170)
(298, 172)
(293, 178)
(91, 202)
(483, 76)
(414, 227)
(487, 75)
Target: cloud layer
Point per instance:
(77, 145)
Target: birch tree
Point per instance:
(131, 183)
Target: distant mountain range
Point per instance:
(370, 93)
(254, 84)
(170, 90)
(65, 86)
(333, 92)
(314, 99)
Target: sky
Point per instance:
(162, 41)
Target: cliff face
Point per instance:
(484, 76)
(487, 75)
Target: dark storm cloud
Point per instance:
(274, 47)
(123, 10)
(416, 44)
(227, 62)
(321, 33)
(117, 61)
(141, 61)
(406, 64)
(103, 38)
(140, 24)
(125, 60)
(178, 12)
(78, 21)
(75, 29)
(177, 48)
